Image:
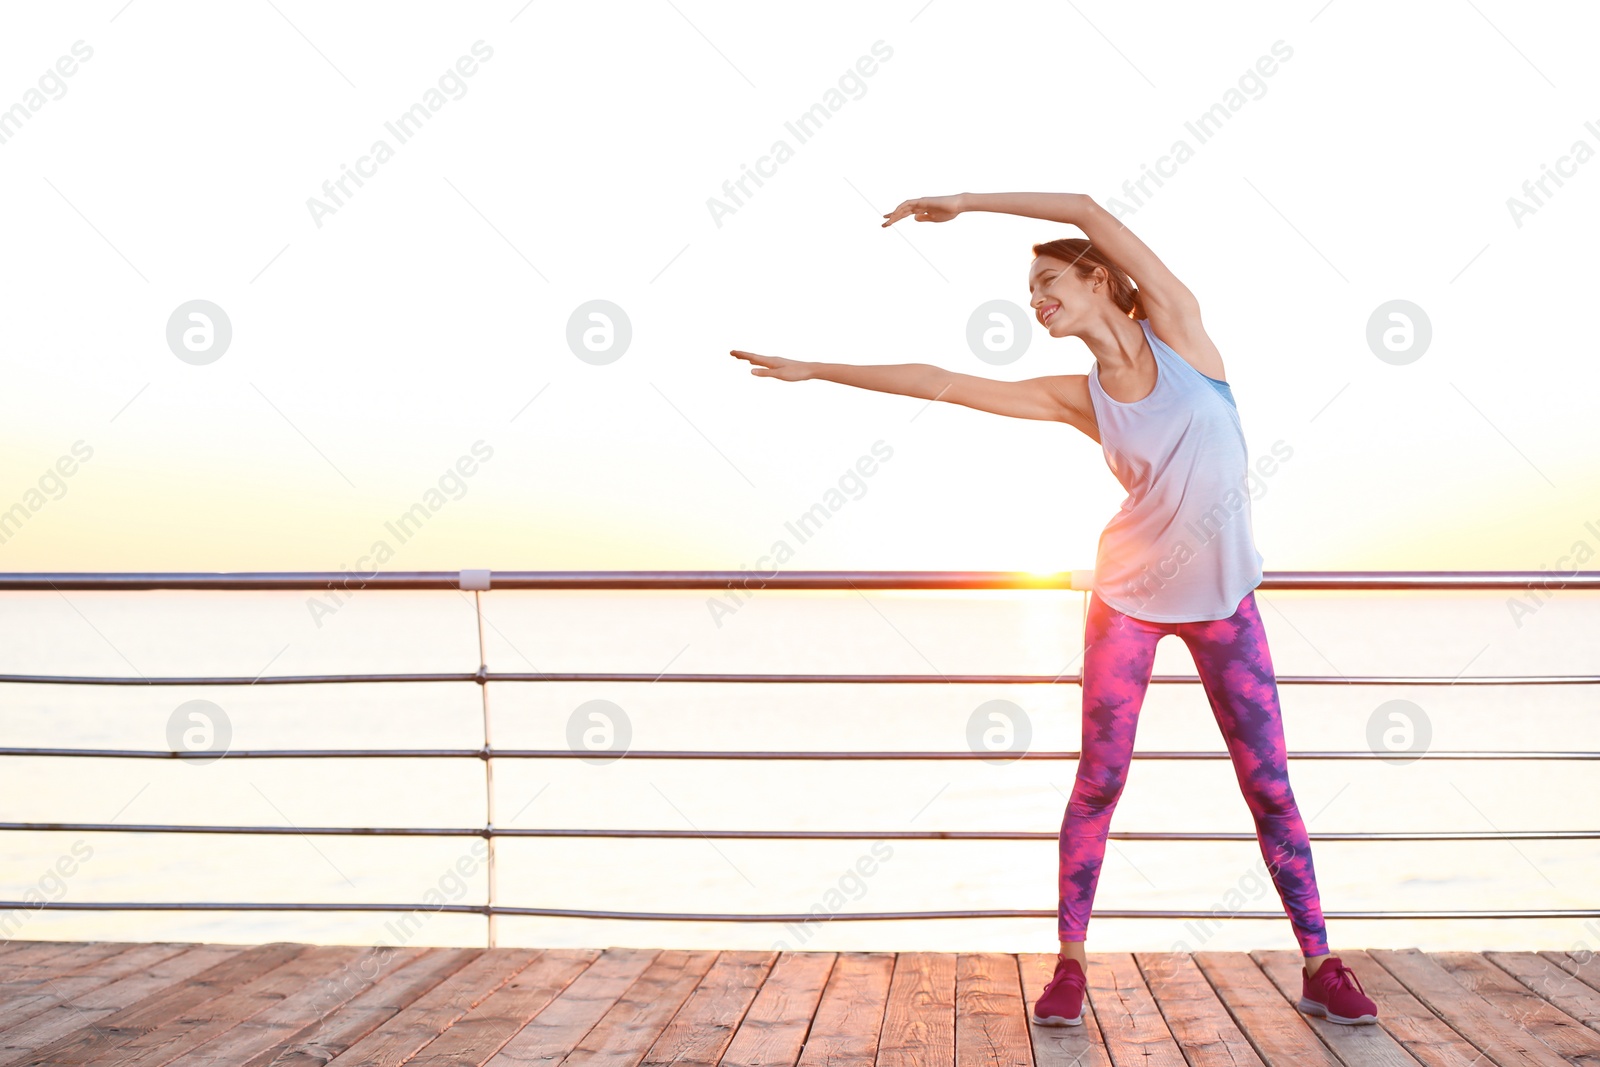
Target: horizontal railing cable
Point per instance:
(746, 579)
(785, 835)
(208, 755)
(782, 679)
(785, 917)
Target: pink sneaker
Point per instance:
(1336, 993)
(1061, 1003)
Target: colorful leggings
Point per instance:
(1236, 670)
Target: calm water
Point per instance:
(154, 634)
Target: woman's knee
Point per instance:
(1270, 796)
(1097, 792)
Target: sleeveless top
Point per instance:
(1181, 548)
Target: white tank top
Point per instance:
(1181, 548)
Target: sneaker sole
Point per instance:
(1057, 1020)
(1311, 1007)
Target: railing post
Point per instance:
(478, 581)
(1083, 580)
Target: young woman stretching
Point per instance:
(1179, 557)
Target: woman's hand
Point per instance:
(790, 370)
(928, 209)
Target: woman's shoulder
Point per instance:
(1186, 338)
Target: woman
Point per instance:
(1177, 558)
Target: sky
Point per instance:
(515, 325)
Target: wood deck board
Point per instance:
(214, 1017)
(295, 1005)
(701, 1030)
(485, 1029)
(391, 990)
(1199, 1022)
(1500, 1038)
(24, 954)
(919, 1021)
(991, 1020)
(631, 1025)
(1133, 1027)
(849, 1018)
(1274, 1026)
(1585, 965)
(564, 1022)
(96, 1042)
(774, 1030)
(1553, 977)
(75, 958)
(276, 1028)
(59, 1020)
(404, 1034)
(22, 999)
(1551, 1015)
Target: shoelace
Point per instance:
(1342, 976)
(1065, 975)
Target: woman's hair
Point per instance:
(1084, 258)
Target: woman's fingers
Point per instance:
(906, 208)
(761, 363)
(925, 209)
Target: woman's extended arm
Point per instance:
(1050, 398)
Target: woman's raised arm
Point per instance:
(1165, 297)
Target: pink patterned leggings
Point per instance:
(1236, 670)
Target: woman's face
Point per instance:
(1059, 297)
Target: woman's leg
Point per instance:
(1119, 652)
(1236, 669)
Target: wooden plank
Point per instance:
(1130, 1023)
(29, 953)
(919, 1020)
(1059, 1046)
(59, 1020)
(1357, 1043)
(991, 1027)
(338, 1026)
(701, 1030)
(1499, 1039)
(1198, 1021)
(220, 1014)
(1585, 966)
(1278, 1031)
(629, 1027)
(774, 1030)
(481, 1032)
(1418, 1030)
(276, 1027)
(75, 957)
(1535, 992)
(411, 1028)
(23, 998)
(559, 1027)
(97, 1041)
(844, 1032)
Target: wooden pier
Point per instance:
(187, 1005)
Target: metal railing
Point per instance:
(479, 581)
